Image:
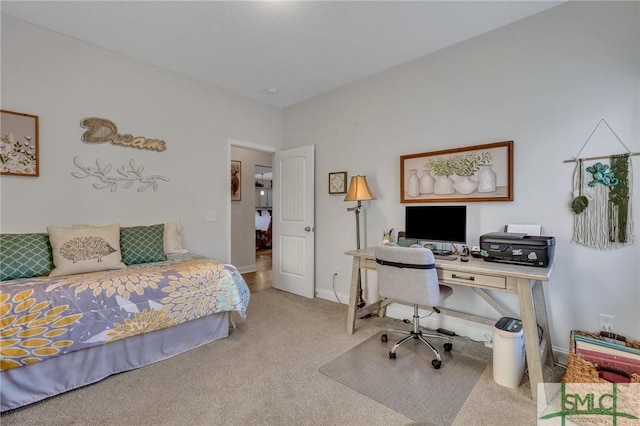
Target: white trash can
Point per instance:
(508, 352)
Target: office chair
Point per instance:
(408, 275)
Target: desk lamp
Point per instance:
(358, 191)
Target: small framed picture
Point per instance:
(338, 183)
(236, 180)
(19, 144)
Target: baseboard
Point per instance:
(247, 269)
(330, 295)
(562, 355)
(470, 329)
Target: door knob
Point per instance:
(309, 228)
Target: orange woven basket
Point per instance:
(580, 370)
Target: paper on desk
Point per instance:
(533, 230)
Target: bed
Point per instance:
(61, 333)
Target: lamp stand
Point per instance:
(358, 191)
(357, 209)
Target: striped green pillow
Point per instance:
(25, 256)
(142, 244)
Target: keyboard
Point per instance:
(443, 257)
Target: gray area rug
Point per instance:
(409, 384)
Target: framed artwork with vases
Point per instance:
(472, 173)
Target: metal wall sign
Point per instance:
(100, 130)
(127, 175)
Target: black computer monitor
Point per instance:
(440, 224)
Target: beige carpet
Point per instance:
(409, 384)
(264, 373)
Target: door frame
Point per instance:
(244, 145)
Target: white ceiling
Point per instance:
(302, 48)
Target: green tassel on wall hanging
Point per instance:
(619, 199)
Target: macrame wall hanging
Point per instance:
(601, 198)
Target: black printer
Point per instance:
(521, 249)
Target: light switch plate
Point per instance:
(211, 216)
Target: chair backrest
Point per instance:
(408, 275)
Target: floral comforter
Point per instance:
(46, 317)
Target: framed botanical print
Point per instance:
(338, 183)
(19, 144)
(236, 180)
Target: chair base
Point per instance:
(417, 333)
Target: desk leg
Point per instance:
(530, 329)
(543, 321)
(353, 295)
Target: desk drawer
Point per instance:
(475, 280)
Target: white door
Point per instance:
(293, 227)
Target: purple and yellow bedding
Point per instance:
(45, 317)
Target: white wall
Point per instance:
(243, 234)
(63, 80)
(544, 82)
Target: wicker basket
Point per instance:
(582, 371)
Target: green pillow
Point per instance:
(142, 244)
(25, 256)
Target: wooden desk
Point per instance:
(525, 281)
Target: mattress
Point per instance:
(43, 319)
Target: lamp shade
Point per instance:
(359, 190)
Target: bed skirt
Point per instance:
(32, 383)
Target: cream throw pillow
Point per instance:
(171, 239)
(80, 250)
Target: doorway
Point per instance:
(263, 278)
(292, 262)
(263, 206)
(243, 208)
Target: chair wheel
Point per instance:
(448, 346)
(383, 338)
(436, 364)
(392, 355)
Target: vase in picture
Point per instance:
(413, 183)
(426, 182)
(486, 179)
(443, 185)
(465, 185)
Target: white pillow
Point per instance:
(171, 239)
(89, 249)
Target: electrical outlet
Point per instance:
(335, 271)
(606, 322)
